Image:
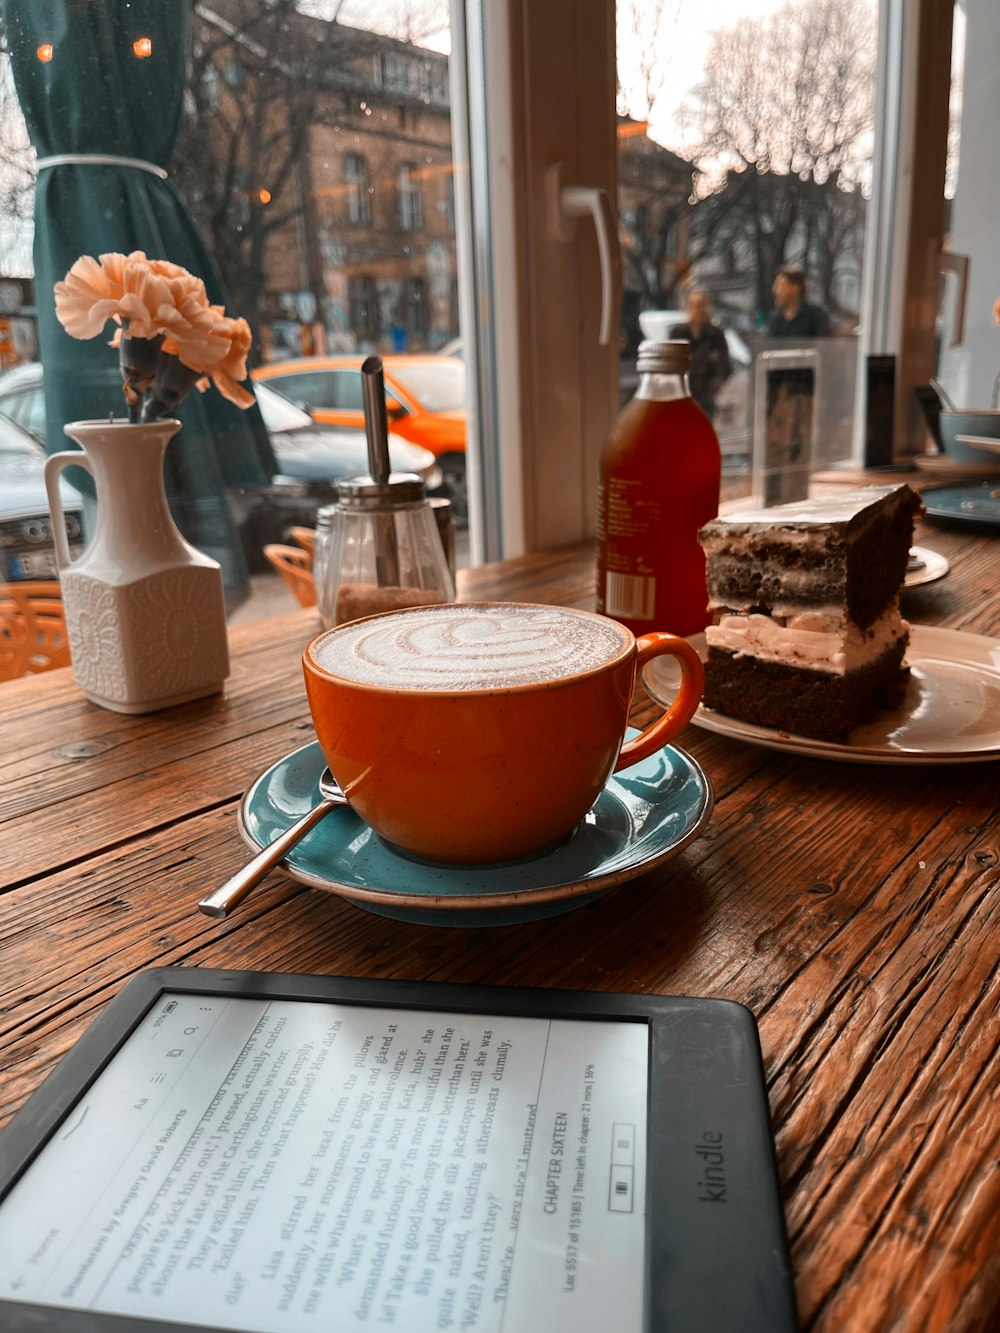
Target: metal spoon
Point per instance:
(230, 894)
(943, 397)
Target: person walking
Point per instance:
(710, 362)
(793, 316)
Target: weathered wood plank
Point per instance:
(854, 909)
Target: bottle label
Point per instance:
(630, 595)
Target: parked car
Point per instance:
(26, 546)
(425, 401)
(311, 459)
(322, 455)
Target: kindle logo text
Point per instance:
(712, 1186)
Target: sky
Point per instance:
(685, 37)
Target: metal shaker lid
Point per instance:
(401, 488)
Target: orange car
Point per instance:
(425, 400)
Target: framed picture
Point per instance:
(786, 392)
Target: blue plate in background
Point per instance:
(975, 505)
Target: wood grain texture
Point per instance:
(854, 909)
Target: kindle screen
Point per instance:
(292, 1165)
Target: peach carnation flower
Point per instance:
(162, 310)
(89, 294)
(236, 335)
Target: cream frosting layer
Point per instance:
(818, 640)
(818, 513)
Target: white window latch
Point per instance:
(565, 204)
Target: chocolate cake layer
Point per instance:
(818, 704)
(849, 550)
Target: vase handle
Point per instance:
(54, 466)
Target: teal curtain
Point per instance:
(107, 77)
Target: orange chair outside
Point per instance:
(306, 538)
(32, 629)
(293, 564)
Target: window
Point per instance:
(359, 273)
(411, 214)
(358, 195)
(729, 177)
(434, 83)
(363, 307)
(968, 358)
(395, 72)
(28, 410)
(447, 204)
(346, 391)
(311, 389)
(13, 443)
(415, 307)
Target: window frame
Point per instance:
(544, 392)
(547, 94)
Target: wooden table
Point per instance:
(854, 909)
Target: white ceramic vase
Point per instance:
(145, 612)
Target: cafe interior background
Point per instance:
(399, 177)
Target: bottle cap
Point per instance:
(663, 358)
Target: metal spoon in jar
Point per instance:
(230, 894)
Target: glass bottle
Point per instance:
(661, 470)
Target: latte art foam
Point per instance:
(470, 647)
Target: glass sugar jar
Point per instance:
(379, 548)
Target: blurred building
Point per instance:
(346, 222)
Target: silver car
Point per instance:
(311, 460)
(26, 547)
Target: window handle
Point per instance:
(566, 203)
(959, 265)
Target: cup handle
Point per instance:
(681, 711)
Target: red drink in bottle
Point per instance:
(660, 475)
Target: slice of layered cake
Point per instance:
(805, 597)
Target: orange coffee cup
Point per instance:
(484, 732)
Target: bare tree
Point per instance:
(784, 119)
(17, 176)
(265, 75)
(241, 161)
(654, 184)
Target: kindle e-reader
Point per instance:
(278, 1154)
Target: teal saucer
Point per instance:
(645, 815)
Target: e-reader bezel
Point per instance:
(715, 1258)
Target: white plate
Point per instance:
(950, 715)
(987, 442)
(929, 566)
(946, 467)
